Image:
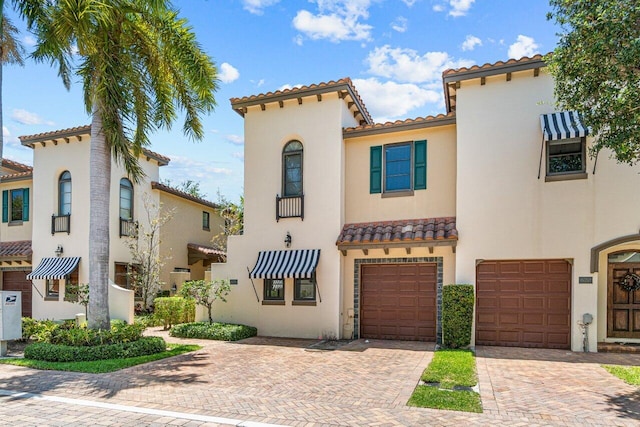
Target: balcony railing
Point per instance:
(128, 227)
(60, 224)
(290, 207)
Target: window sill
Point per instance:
(52, 298)
(15, 223)
(397, 194)
(272, 302)
(206, 229)
(566, 177)
(307, 303)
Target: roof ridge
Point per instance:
(510, 61)
(160, 186)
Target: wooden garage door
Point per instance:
(398, 301)
(17, 281)
(524, 303)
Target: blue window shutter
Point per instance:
(5, 206)
(375, 169)
(25, 204)
(420, 165)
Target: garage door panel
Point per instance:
(529, 307)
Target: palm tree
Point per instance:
(139, 64)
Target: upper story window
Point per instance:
(398, 169)
(126, 199)
(64, 193)
(292, 169)
(206, 224)
(566, 157)
(15, 205)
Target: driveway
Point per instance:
(280, 381)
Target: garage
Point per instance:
(524, 303)
(17, 281)
(398, 301)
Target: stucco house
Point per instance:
(44, 234)
(353, 228)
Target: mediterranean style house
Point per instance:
(353, 228)
(44, 234)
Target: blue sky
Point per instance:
(394, 50)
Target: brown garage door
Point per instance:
(17, 281)
(398, 301)
(524, 303)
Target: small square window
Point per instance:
(566, 157)
(205, 221)
(53, 288)
(305, 290)
(274, 289)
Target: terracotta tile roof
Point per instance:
(81, 130)
(18, 249)
(407, 124)
(16, 166)
(512, 61)
(399, 231)
(20, 176)
(323, 87)
(205, 250)
(159, 186)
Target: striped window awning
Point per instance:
(54, 268)
(562, 125)
(297, 264)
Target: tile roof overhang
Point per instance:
(170, 190)
(20, 176)
(400, 125)
(207, 254)
(344, 87)
(79, 132)
(16, 166)
(451, 78)
(408, 233)
(17, 251)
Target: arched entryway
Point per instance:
(623, 294)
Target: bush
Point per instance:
(173, 310)
(37, 330)
(457, 315)
(148, 320)
(71, 335)
(64, 353)
(213, 331)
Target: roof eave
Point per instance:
(420, 124)
(492, 71)
(398, 244)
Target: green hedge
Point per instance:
(213, 331)
(457, 315)
(65, 353)
(173, 310)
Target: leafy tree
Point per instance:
(233, 215)
(139, 63)
(596, 67)
(78, 293)
(206, 292)
(188, 186)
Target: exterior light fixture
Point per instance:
(287, 240)
(59, 250)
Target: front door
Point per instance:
(623, 296)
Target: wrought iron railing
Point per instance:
(290, 207)
(60, 223)
(128, 228)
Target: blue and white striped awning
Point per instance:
(54, 268)
(562, 125)
(297, 264)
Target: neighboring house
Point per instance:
(44, 236)
(353, 228)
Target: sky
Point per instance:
(393, 50)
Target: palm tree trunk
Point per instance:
(99, 185)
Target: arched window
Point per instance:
(126, 199)
(292, 169)
(64, 193)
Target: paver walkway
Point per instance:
(277, 381)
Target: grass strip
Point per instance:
(451, 368)
(433, 397)
(628, 374)
(102, 366)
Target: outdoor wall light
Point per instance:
(59, 250)
(287, 240)
(174, 287)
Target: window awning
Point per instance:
(297, 264)
(54, 268)
(562, 125)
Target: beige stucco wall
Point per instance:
(318, 125)
(439, 198)
(184, 227)
(505, 212)
(21, 231)
(49, 162)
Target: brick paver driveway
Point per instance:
(279, 381)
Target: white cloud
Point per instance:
(299, 40)
(183, 168)
(27, 118)
(8, 139)
(238, 155)
(288, 86)
(257, 6)
(471, 42)
(438, 8)
(234, 139)
(524, 46)
(5, 132)
(409, 3)
(406, 65)
(400, 24)
(390, 100)
(29, 40)
(336, 20)
(460, 7)
(228, 73)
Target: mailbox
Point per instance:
(10, 315)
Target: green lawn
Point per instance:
(101, 366)
(628, 374)
(449, 368)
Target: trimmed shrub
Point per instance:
(213, 331)
(189, 314)
(173, 310)
(72, 335)
(457, 315)
(37, 330)
(64, 353)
